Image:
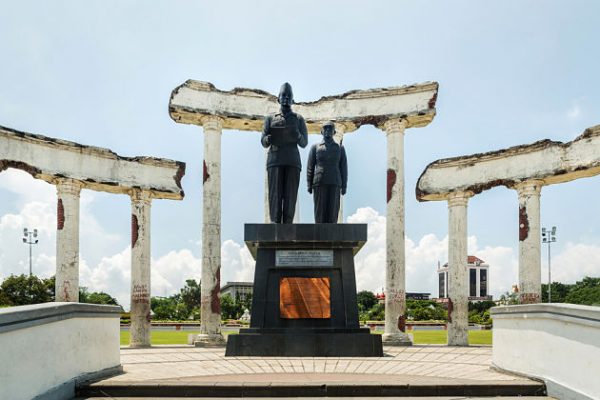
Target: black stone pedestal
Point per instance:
(286, 251)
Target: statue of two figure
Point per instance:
(327, 171)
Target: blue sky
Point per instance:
(101, 73)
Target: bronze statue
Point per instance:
(327, 175)
(282, 134)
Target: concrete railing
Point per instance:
(559, 343)
(46, 349)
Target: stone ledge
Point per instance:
(20, 317)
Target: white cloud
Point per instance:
(575, 262)
(422, 258)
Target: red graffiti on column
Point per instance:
(529, 298)
(205, 174)
(134, 230)
(215, 303)
(402, 323)
(450, 309)
(66, 287)
(391, 182)
(140, 294)
(523, 223)
(60, 215)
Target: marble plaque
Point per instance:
(304, 258)
(304, 298)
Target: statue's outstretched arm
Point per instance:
(303, 134)
(310, 168)
(265, 139)
(344, 169)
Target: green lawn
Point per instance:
(420, 337)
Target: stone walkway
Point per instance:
(185, 371)
(423, 362)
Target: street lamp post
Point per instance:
(549, 236)
(30, 238)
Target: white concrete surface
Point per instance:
(458, 278)
(44, 348)
(140, 269)
(67, 240)
(245, 109)
(210, 308)
(395, 280)
(559, 343)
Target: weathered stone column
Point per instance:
(140, 269)
(340, 130)
(67, 240)
(458, 277)
(395, 292)
(210, 306)
(530, 268)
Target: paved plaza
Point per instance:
(424, 366)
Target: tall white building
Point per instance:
(478, 279)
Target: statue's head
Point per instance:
(286, 97)
(328, 129)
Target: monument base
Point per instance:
(348, 343)
(304, 297)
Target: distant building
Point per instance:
(241, 289)
(478, 279)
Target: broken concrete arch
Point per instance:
(546, 161)
(71, 167)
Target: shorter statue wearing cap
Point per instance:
(327, 175)
(282, 134)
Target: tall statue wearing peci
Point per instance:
(282, 133)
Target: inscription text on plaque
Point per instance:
(304, 258)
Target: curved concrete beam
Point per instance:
(96, 168)
(245, 109)
(546, 161)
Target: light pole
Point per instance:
(549, 236)
(30, 238)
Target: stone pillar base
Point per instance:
(213, 340)
(396, 339)
(139, 346)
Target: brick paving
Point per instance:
(417, 364)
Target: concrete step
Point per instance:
(179, 389)
(336, 398)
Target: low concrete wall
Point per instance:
(559, 343)
(46, 349)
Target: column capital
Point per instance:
(211, 123)
(139, 195)
(395, 125)
(528, 187)
(68, 186)
(459, 198)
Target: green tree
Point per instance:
(228, 307)
(18, 290)
(586, 291)
(164, 308)
(559, 292)
(190, 294)
(366, 300)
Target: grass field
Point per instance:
(420, 337)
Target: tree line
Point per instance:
(18, 290)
